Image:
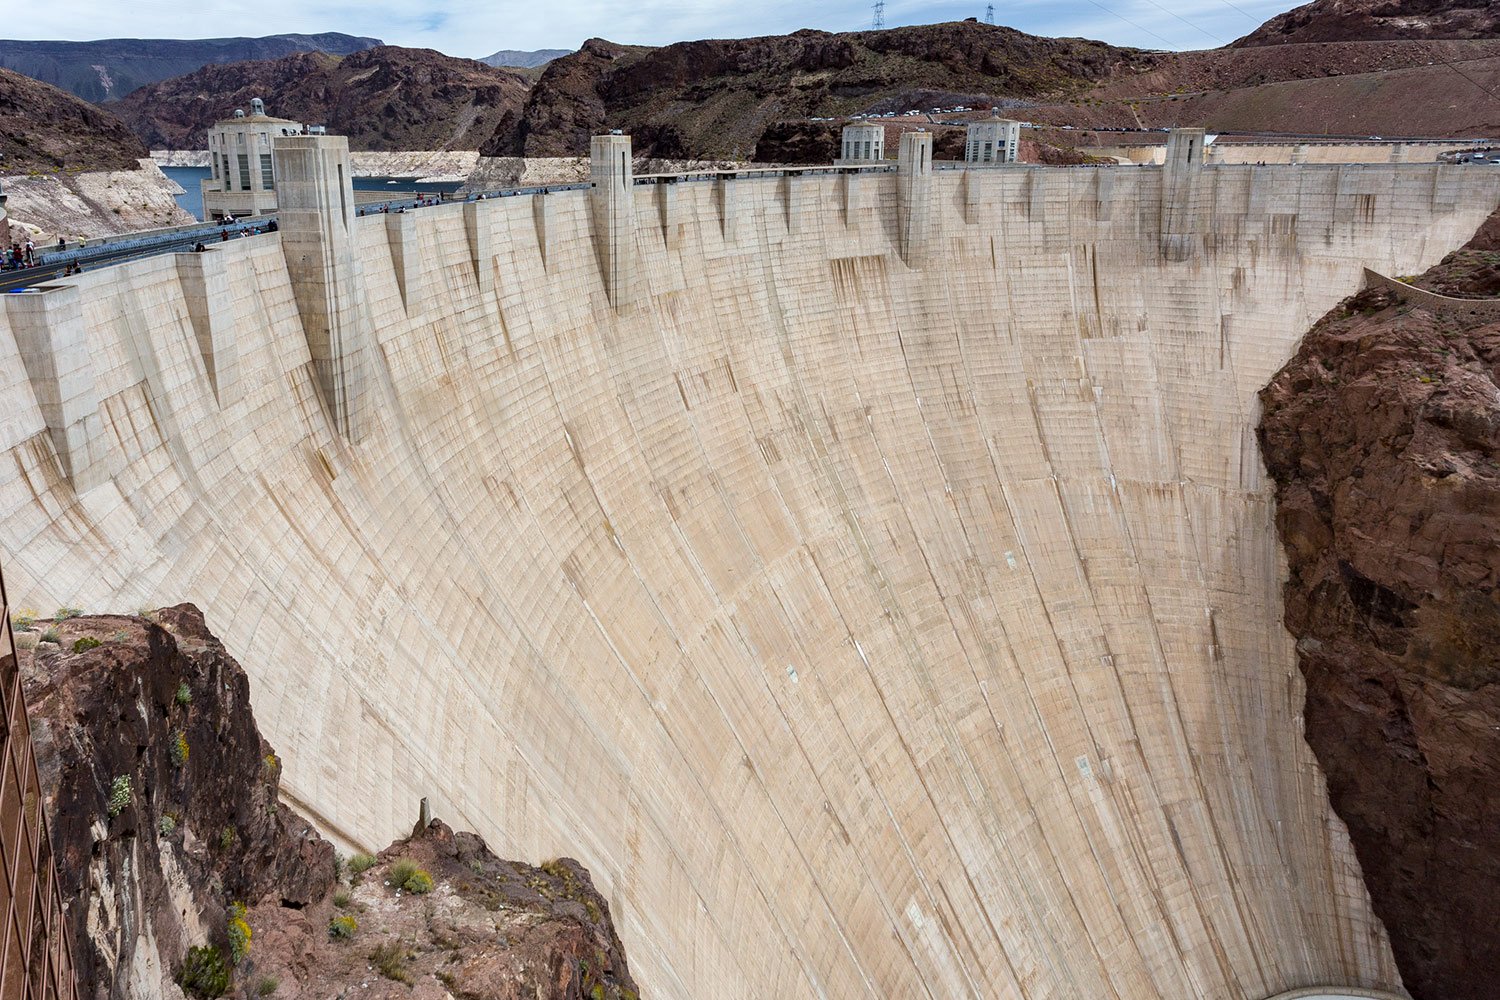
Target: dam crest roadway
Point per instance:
(869, 575)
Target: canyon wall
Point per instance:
(93, 203)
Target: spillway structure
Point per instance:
(868, 573)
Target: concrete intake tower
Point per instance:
(868, 573)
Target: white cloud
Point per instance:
(476, 27)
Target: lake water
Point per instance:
(192, 198)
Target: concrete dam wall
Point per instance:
(873, 582)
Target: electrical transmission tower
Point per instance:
(989, 14)
(877, 21)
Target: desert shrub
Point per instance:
(239, 933)
(22, 619)
(119, 635)
(360, 863)
(266, 986)
(167, 824)
(342, 928)
(86, 643)
(63, 614)
(179, 748)
(406, 875)
(184, 695)
(119, 795)
(204, 973)
(389, 957)
(50, 635)
(341, 899)
(227, 838)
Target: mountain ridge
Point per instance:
(383, 98)
(43, 128)
(109, 68)
(1378, 20)
(524, 58)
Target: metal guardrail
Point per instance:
(53, 265)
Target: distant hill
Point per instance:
(384, 98)
(111, 68)
(1379, 20)
(714, 98)
(524, 60)
(43, 129)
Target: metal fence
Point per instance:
(35, 959)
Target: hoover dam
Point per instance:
(869, 574)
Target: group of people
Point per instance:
(421, 202)
(23, 255)
(225, 235)
(19, 255)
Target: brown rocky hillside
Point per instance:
(1379, 20)
(43, 129)
(712, 98)
(182, 867)
(383, 98)
(1383, 437)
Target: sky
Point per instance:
(475, 28)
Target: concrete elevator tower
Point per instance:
(321, 246)
(1182, 191)
(914, 196)
(611, 204)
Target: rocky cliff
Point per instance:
(111, 68)
(1379, 20)
(94, 203)
(385, 98)
(714, 97)
(1383, 436)
(43, 129)
(188, 876)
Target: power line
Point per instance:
(989, 14)
(1185, 21)
(877, 21)
(1138, 27)
(1257, 20)
(1466, 76)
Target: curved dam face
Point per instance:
(875, 584)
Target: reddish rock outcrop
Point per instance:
(718, 96)
(1383, 436)
(164, 805)
(44, 129)
(1379, 20)
(383, 98)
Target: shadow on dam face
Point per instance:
(867, 629)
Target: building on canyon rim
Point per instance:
(242, 163)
